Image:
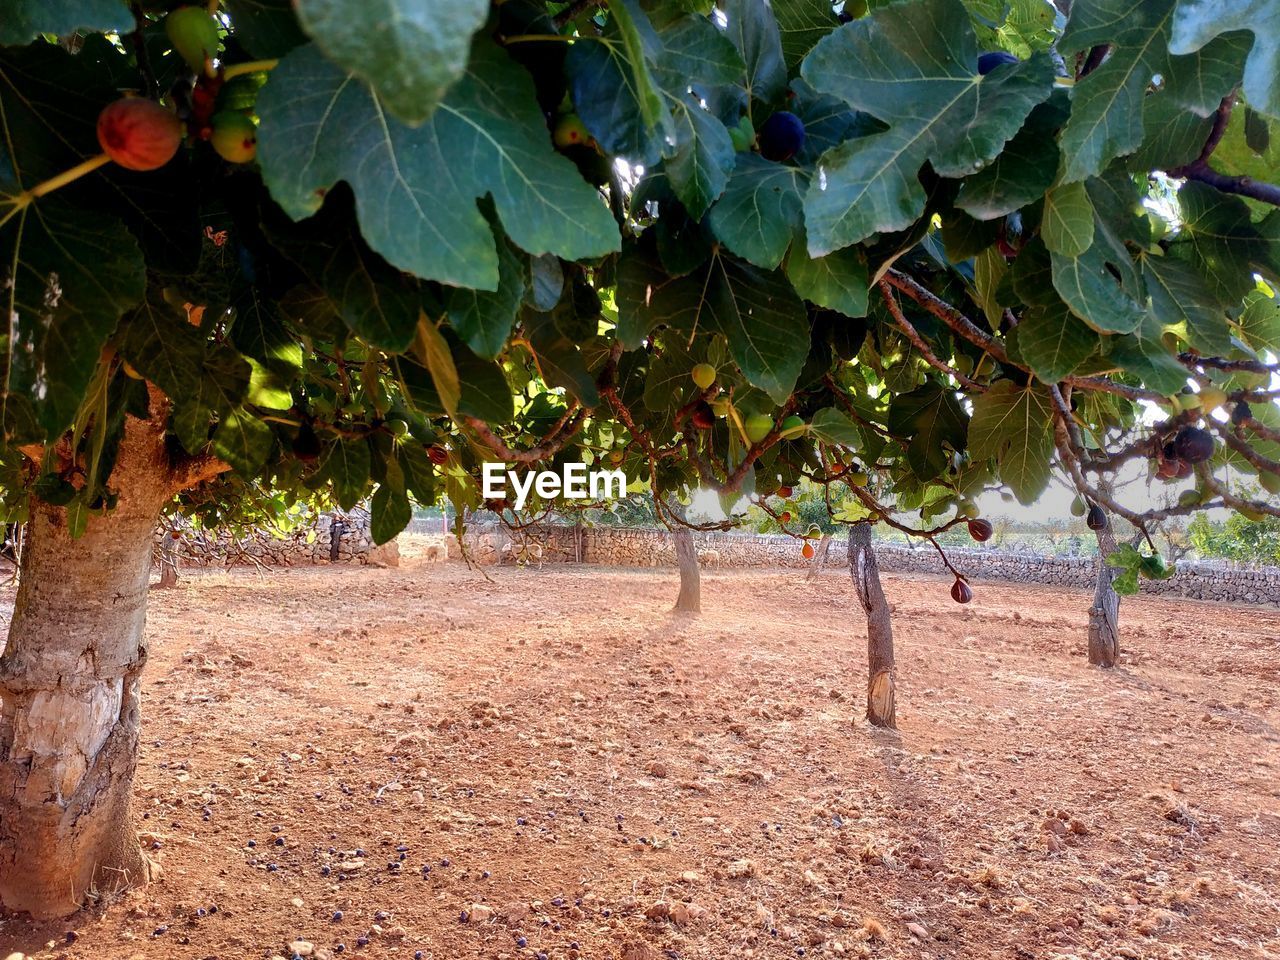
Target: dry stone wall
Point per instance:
(642, 547)
(331, 538)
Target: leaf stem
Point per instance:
(249, 66)
(62, 179)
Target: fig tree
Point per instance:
(996, 58)
(961, 592)
(194, 35)
(782, 136)
(1096, 518)
(704, 375)
(1193, 445)
(234, 136)
(139, 134)
(980, 529)
(757, 426)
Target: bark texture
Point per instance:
(881, 702)
(1104, 614)
(690, 598)
(69, 682)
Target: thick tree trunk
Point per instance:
(881, 705)
(690, 597)
(168, 561)
(69, 688)
(820, 557)
(1104, 614)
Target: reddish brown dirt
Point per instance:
(556, 746)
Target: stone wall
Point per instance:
(639, 547)
(308, 544)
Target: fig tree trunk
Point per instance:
(168, 561)
(1104, 614)
(881, 706)
(820, 557)
(690, 597)
(69, 687)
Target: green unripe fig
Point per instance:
(1188, 498)
(570, 131)
(704, 375)
(858, 478)
(757, 426)
(967, 508)
(234, 137)
(397, 428)
(1078, 507)
(1211, 398)
(743, 135)
(792, 426)
(194, 35)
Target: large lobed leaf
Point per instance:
(1196, 22)
(914, 67)
(1107, 104)
(416, 187)
(410, 51)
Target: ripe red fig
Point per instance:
(438, 455)
(703, 416)
(980, 530)
(139, 134)
(784, 492)
(961, 592)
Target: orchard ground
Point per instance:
(559, 749)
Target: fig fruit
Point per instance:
(1241, 412)
(997, 58)
(703, 417)
(306, 445)
(757, 426)
(194, 35)
(980, 529)
(807, 551)
(704, 375)
(782, 136)
(785, 492)
(961, 592)
(1096, 519)
(234, 136)
(438, 455)
(139, 134)
(570, 131)
(1193, 445)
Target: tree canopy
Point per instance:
(950, 243)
